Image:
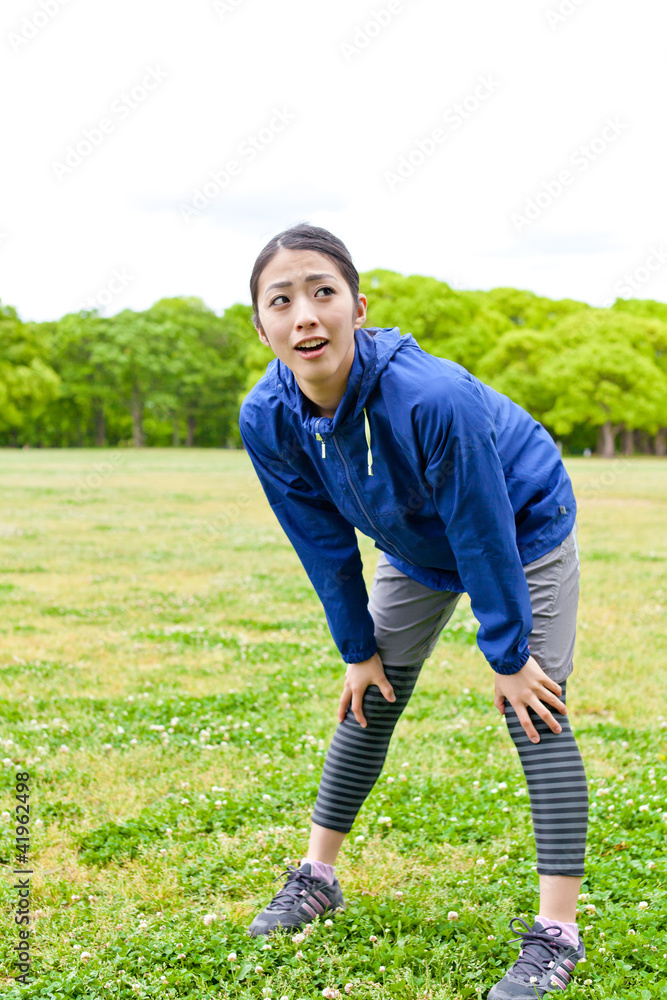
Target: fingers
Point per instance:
(552, 685)
(357, 697)
(499, 702)
(387, 691)
(524, 719)
(547, 717)
(552, 700)
(343, 703)
(540, 709)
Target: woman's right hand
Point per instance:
(358, 677)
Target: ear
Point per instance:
(360, 312)
(262, 336)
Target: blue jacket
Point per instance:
(458, 486)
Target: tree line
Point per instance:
(176, 373)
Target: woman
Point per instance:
(462, 490)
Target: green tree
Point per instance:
(27, 382)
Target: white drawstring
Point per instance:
(367, 428)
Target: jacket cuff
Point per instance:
(515, 667)
(360, 653)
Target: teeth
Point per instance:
(312, 343)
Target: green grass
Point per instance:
(168, 680)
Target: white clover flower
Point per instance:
(382, 968)
(84, 956)
(643, 905)
(357, 840)
(452, 915)
(533, 979)
(590, 908)
(630, 932)
(299, 954)
(209, 918)
(328, 923)
(399, 894)
(644, 808)
(651, 864)
(266, 947)
(266, 991)
(588, 982)
(384, 820)
(373, 939)
(136, 987)
(298, 938)
(259, 969)
(231, 957)
(348, 987)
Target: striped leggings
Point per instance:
(553, 767)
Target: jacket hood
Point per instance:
(374, 349)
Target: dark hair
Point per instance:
(303, 236)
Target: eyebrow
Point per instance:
(309, 277)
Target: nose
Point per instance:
(306, 318)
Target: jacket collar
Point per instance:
(374, 348)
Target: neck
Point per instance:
(325, 397)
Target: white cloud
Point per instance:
(226, 70)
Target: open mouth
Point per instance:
(313, 348)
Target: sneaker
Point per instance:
(544, 964)
(303, 897)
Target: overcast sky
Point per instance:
(483, 143)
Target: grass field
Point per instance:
(169, 684)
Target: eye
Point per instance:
(324, 288)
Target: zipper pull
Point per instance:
(367, 428)
(320, 438)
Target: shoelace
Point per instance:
(297, 880)
(544, 950)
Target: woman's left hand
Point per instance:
(530, 688)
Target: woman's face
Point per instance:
(313, 302)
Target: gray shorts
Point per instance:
(409, 617)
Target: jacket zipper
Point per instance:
(392, 545)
